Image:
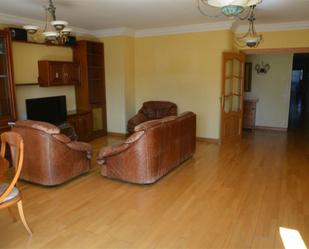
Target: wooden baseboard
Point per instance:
(267, 128)
(116, 134)
(208, 140)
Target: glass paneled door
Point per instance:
(232, 96)
(7, 92)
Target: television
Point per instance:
(51, 109)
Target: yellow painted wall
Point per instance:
(119, 75)
(25, 62)
(185, 69)
(27, 55)
(129, 77)
(286, 39)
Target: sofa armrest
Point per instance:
(136, 120)
(111, 151)
(80, 146)
(62, 138)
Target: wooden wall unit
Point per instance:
(249, 114)
(90, 94)
(82, 123)
(58, 73)
(7, 86)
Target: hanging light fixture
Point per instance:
(230, 8)
(55, 31)
(250, 39)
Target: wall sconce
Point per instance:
(263, 68)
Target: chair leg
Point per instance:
(22, 216)
(12, 214)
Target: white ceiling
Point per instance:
(145, 14)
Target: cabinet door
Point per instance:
(7, 90)
(4, 86)
(71, 73)
(85, 126)
(56, 73)
(249, 115)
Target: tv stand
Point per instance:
(81, 121)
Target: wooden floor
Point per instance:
(235, 196)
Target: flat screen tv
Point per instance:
(51, 109)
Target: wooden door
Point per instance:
(56, 73)
(71, 73)
(232, 96)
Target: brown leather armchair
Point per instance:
(51, 158)
(152, 110)
(154, 149)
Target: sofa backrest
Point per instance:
(158, 109)
(167, 142)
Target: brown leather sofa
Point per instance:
(152, 110)
(51, 158)
(154, 149)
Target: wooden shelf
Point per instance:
(96, 54)
(95, 67)
(27, 84)
(44, 44)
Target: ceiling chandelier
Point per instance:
(230, 8)
(250, 39)
(55, 31)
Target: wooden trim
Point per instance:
(267, 128)
(45, 44)
(116, 134)
(208, 140)
(275, 51)
(26, 84)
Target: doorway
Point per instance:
(299, 101)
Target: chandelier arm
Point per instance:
(245, 16)
(202, 11)
(249, 14)
(46, 18)
(243, 36)
(52, 10)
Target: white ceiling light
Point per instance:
(55, 30)
(230, 8)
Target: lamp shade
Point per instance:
(232, 10)
(66, 31)
(242, 3)
(31, 28)
(253, 41)
(50, 35)
(59, 25)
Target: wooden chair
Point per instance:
(9, 193)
